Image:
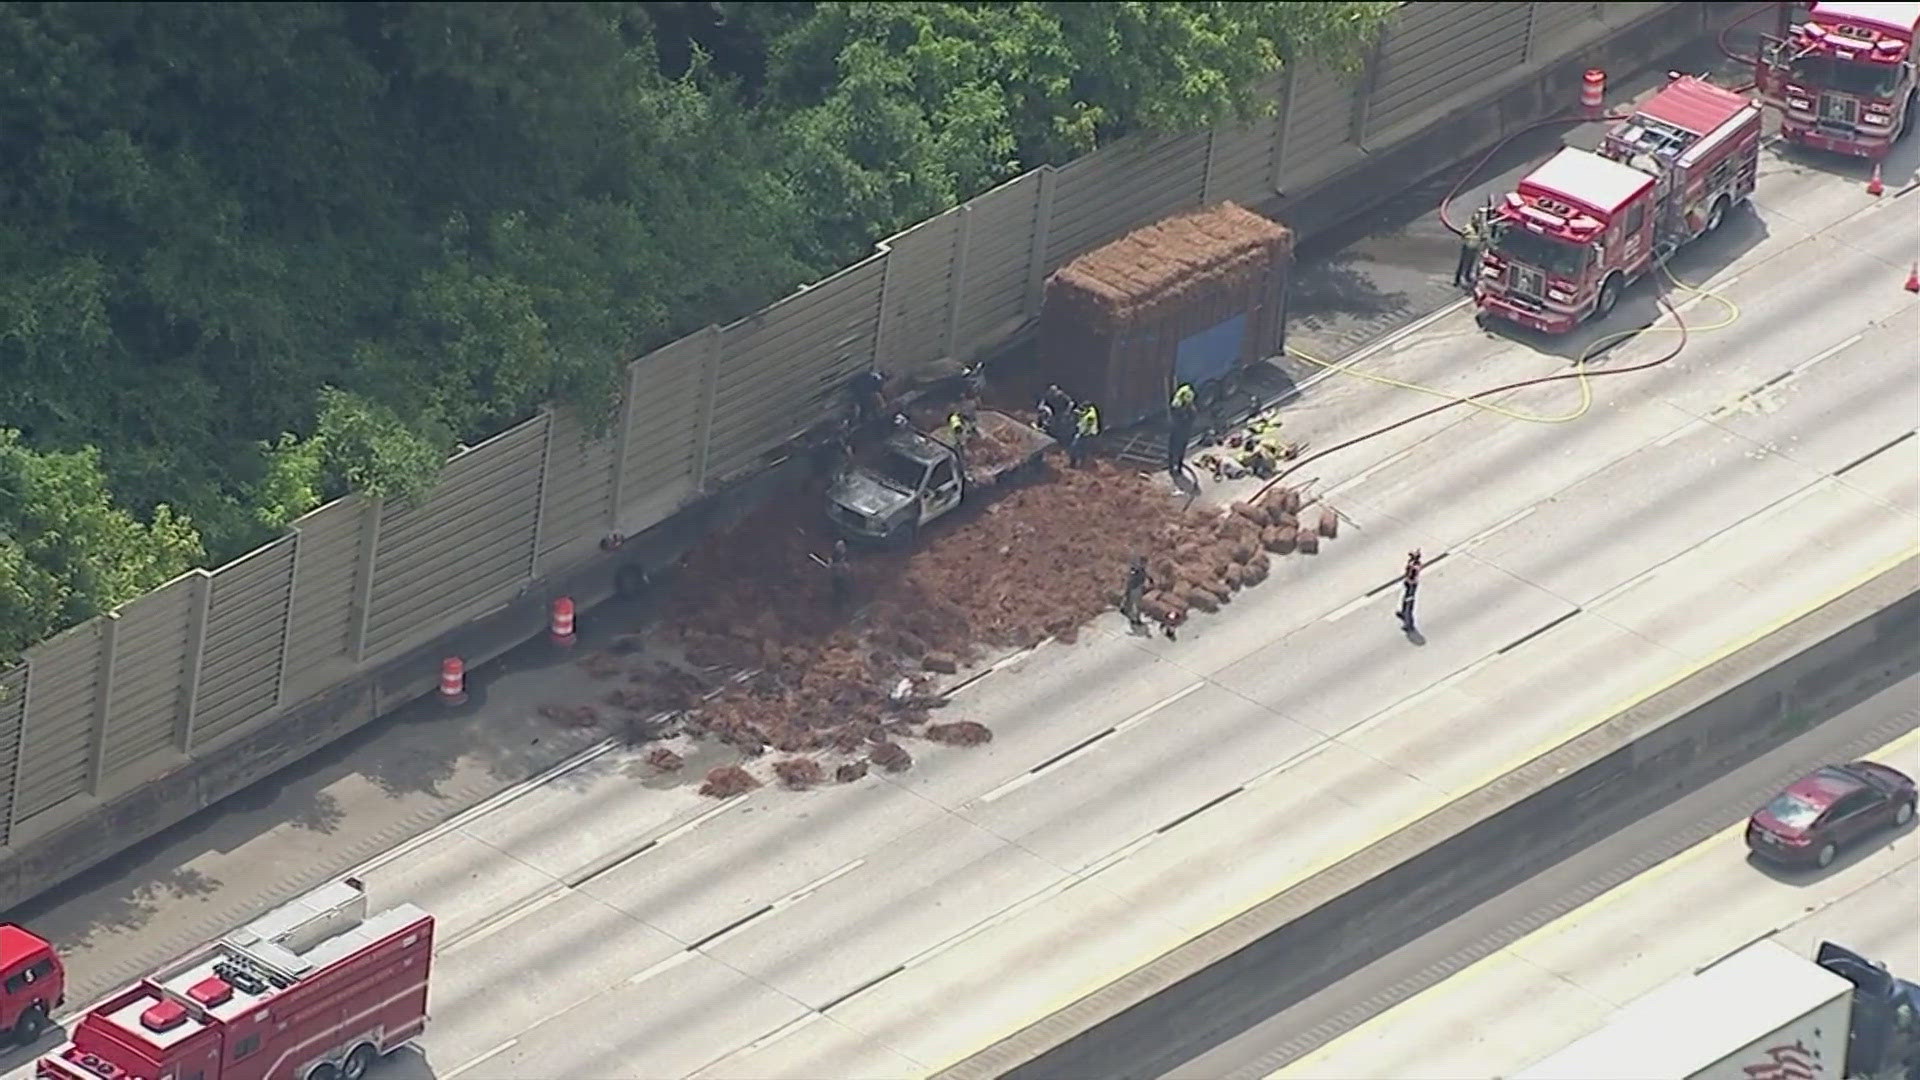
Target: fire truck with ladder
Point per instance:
(1844, 80)
(1583, 226)
(316, 989)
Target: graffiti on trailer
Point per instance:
(1790, 1062)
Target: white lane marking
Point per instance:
(1145, 714)
(660, 968)
(1416, 699)
(1704, 292)
(809, 889)
(1683, 431)
(1367, 472)
(1135, 720)
(489, 929)
(1119, 856)
(694, 823)
(1011, 913)
(781, 1032)
(1485, 533)
(1296, 760)
(1827, 355)
(1347, 609)
(484, 1058)
(467, 817)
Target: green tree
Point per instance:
(66, 552)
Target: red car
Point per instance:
(1827, 809)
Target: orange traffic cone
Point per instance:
(1913, 278)
(1874, 186)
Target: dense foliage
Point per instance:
(253, 255)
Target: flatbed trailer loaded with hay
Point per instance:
(1193, 299)
(913, 478)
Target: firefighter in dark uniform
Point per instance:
(1134, 591)
(1409, 584)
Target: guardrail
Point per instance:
(200, 663)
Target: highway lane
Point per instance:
(913, 883)
(1562, 981)
(600, 926)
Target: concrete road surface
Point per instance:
(601, 923)
(1563, 981)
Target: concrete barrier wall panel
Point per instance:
(1557, 25)
(1243, 162)
(469, 541)
(1319, 125)
(781, 370)
(246, 623)
(13, 712)
(63, 692)
(1438, 52)
(577, 490)
(662, 447)
(919, 292)
(1000, 242)
(319, 641)
(1108, 195)
(151, 644)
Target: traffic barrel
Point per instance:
(560, 628)
(1593, 92)
(1913, 278)
(1874, 186)
(453, 681)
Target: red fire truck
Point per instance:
(1844, 80)
(315, 989)
(1583, 226)
(32, 983)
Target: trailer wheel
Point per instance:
(1718, 215)
(1609, 297)
(359, 1060)
(31, 1022)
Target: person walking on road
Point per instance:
(1085, 429)
(1056, 412)
(1179, 429)
(840, 572)
(1409, 584)
(1473, 240)
(1134, 592)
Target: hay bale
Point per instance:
(1156, 267)
(1308, 542)
(1242, 552)
(664, 759)
(891, 756)
(1253, 513)
(727, 781)
(1282, 539)
(941, 662)
(1201, 598)
(962, 733)
(851, 771)
(798, 774)
(1329, 522)
(1255, 573)
(1233, 577)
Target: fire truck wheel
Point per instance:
(1609, 296)
(1913, 106)
(358, 1062)
(32, 1021)
(1718, 214)
(323, 1071)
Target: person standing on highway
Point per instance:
(1473, 240)
(1085, 429)
(840, 572)
(1179, 429)
(1409, 584)
(1135, 591)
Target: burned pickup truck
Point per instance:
(912, 478)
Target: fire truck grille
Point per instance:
(1527, 283)
(1837, 111)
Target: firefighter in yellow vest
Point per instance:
(1179, 428)
(1086, 427)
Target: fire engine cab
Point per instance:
(1844, 80)
(33, 983)
(315, 989)
(1583, 226)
